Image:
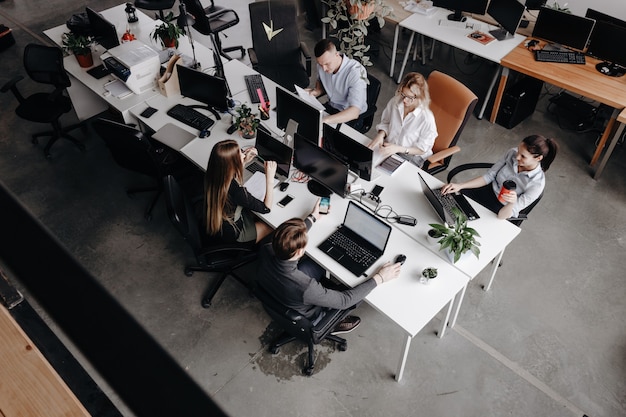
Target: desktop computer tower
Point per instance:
(519, 102)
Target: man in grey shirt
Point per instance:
(296, 281)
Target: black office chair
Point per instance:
(44, 64)
(159, 5)
(134, 151)
(367, 118)
(523, 214)
(297, 327)
(283, 59)
(222, 258)
(211, 21)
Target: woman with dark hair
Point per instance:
(407, 126)
(525, 165)
(228, 205)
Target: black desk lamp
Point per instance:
(184, 21)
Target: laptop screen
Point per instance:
(428, 192)
(271, 149)
(367, 225)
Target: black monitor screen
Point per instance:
(563, 28)
(607, 42)
(328, 172)
(603, 17)
(508, 13)
(459, 6)
(535, 4)
(203, 87)
(271, 149)
(288, 106)
(358, 156)
(102, 30)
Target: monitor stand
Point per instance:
(318, 189)
(457, 16)
(209, 108)
(610, 69)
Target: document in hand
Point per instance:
(256, 185)
(304, 95)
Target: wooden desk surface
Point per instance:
(580, 79)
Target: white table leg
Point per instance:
(488, 95)
(458, 305)
(394, 50)
(406, 56)
(444, 323)
(403, 355)
(496, 264)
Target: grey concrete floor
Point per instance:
(547, 340)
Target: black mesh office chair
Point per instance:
(134, 151)
(217, 257)
(283, 59)
(298, 327)
(159, 5)
(523, 214)
(367, 118)
(44, 64)
(211, 21)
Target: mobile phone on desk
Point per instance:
(286, 200)
(324, 205)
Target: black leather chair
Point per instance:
(134, 151)
(367, 118)
(211, 21)
(283, 59)
(523, 214)
(297, 327)
(221, 258)
(44, 64)
(159, 5)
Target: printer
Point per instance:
(134, 63)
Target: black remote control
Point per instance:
(148, 112)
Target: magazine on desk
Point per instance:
(390, 164)
(481, 37)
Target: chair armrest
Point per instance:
(253, 58)
(228, 256)
(465, 167)
(293, 315)
(12, 85)
(304, 50)
(441, 155)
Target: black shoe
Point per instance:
(347, 325)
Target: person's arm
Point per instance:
(313, 216)
(270, 171)
(346, 115)
(391, 148)
(239, 196)
(378, 139)
(455, 188)
(317, 91)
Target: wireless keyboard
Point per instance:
(190, 117)
(564, 57)
(253, 82)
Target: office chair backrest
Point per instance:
(284, 48)
(201, 24)
(182, 215)
(287, 319)
(373, 90)
(452, 103)
(129, 147)
(44, 64)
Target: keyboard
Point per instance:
(448, 201)
(564, 57)
(462, 25)
(190, 117)
(355, 252)
(253, 82)
(255, 167)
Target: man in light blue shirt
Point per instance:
(344, 80)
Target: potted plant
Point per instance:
(459, 239)
(167, 32)
(351, 19)
(434, 235)
(80, 46)
(428, 274)
(246, 122)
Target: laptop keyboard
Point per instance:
(254, 167)
(448, 202)
(357, 253)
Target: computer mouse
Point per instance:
(400, 259)
(476, 35)
(283, 186)
(231, 129)
(204, 133)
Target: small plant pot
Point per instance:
(363, 13)
(84, 60)
(463, 257)
(427, 275)
(168, 43)
(247, 134)
(432, 239)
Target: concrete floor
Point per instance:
(548, 339)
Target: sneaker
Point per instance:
(347, 325)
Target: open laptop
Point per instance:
(270, 149)
(359, 241)
(443, 204)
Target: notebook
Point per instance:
(270, 149)
(443, 204)
(359, 241)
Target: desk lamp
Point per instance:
(185, 20)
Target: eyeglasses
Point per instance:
(408, 98)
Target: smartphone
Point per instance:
(324, 205)
(286, 200)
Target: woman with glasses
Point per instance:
(407, 126)
(228, 205)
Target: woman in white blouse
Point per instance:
(407, 126)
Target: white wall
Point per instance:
(615, 8)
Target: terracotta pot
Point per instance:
(85, 60)
(363, 13)
(168, 43)
(247, 134)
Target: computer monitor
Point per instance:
(460, 6)
(599, 16)
(328, 174)
(291, 107)
(103, 31)
(203, 87)
(508, 14)
(271, 149)
(535, 4)
(607, 44)
(358, 156)
(563, 28)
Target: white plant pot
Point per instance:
(463, 257)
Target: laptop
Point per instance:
(443, 204)
(359, 241)
(173, 136)
(270, 149)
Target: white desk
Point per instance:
(429, 26)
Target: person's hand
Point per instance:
(316, 210)
(249, 154)
(510, 197)
(450, 188)
(387, 272)
(312, 92)
(387, 148)
(378, 139)
(270, 169)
